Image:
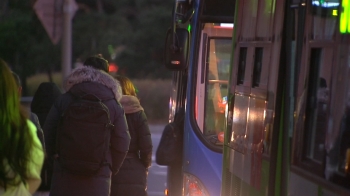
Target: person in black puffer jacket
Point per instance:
(43, 99)
(132, 177)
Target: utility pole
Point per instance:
(69, 9)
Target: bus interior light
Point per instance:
(325, 4)
(227, 25)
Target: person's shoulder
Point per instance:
(141, 115)
(33, 117)
(134, 115)
(170, 126)
(115, 104)
(141, 112)
(65, 97)
(31, 126)
(62, 97)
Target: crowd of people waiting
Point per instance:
(93, 139)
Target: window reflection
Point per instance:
(316, 110)
(338, 137)
(321, 120)
(344, 143)
(324, 110)
(324, 18)
(338, 147)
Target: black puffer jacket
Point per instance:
(87, 80)
(132, 177)
(42, 102)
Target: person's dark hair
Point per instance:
(128, 87)
(97, 62)
(16, 142)
(43, 99)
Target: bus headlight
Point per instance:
(193, 186)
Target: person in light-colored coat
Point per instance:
(92, 78)
(21, 152)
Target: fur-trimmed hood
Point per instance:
(89, 74)
(131, 104)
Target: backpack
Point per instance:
(169, 150)
(83, 137)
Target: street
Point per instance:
(157, 174)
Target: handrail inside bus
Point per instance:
(218, 81)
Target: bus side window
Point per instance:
(315, 126)
(314, 110)
(241, 65)
(337, 145)
(344, 139)
(337, 167)
(257, 67)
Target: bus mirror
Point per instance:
(187, 16)
(176, 49)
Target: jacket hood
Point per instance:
(131, 104)
(87, 74)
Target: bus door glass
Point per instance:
(177, 94)
(212, 81)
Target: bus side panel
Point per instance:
(240, 187)
(250, 173)
(308, 187)
(254, 79)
